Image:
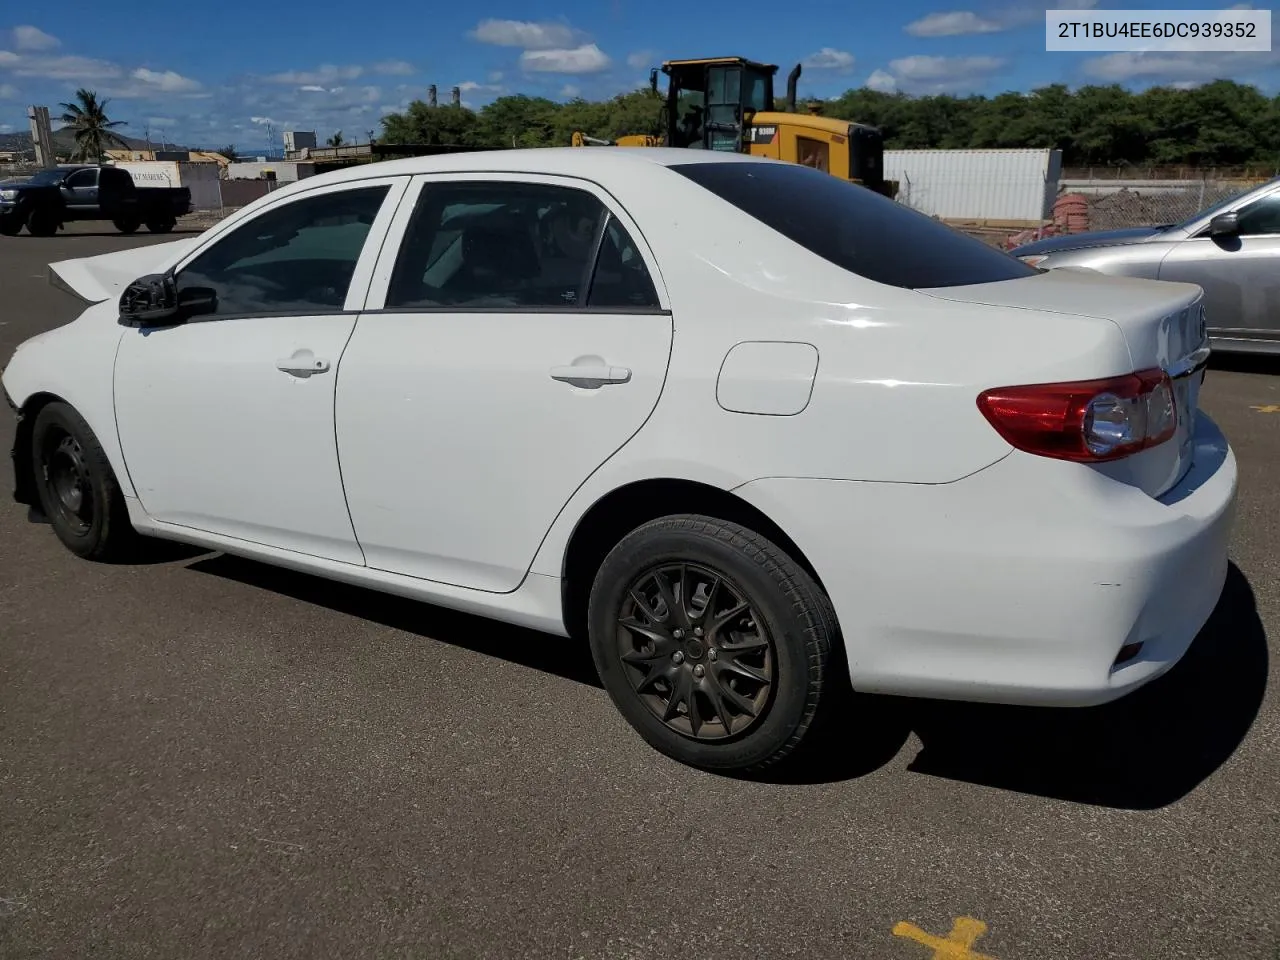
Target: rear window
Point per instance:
(854, 227)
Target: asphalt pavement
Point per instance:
(207, 757)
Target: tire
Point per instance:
(161, 226)
(41, 223)
(126, 224)
(77, 488)
(10, 225)
(790, 646)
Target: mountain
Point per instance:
(64, 139)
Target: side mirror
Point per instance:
(1224, 225)
(155, 301)
(150, 301)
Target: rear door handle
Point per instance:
(590, 376)
(303, 363)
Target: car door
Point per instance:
(1240, 273)
(80, 190)
(517, 336)
(226, 420)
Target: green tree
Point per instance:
(94, 132)
(336, 140)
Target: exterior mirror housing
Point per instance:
(155, 301)
(1224, 225)
(150, 301)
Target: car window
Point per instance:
(115, 179)
(1260, 217)
(296, 258)
(621, 279)
(854, 227)
(485, 244)
(82, 178)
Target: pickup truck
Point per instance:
(55, 197)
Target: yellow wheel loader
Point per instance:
(727, 103)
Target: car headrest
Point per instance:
(511, 253)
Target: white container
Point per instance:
(1001, 185)
(200, 178)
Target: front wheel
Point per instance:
(161, 224)
(712, 642)
(42, 223)
(77, 487)
(126, 224)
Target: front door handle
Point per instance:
(591, 376)
(303, 363)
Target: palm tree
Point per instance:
(94, 132)
(336, 140)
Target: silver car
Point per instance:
(1232, 250)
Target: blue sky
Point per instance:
(211, 74)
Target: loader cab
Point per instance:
(710, 102)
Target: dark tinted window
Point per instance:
(296, 258)
(83, 178)
(854, 227)
(1260, 217)
(497, 245)
(621, 279)
(113, 179)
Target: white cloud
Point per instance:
(5, 127)
(829, 58)
(326, 74)
(395, 68)
(587, 58)
(925, 74)
(570, 90)
(942, 68)
(60, 68)
(525, 34)
(166, 81)
(1175, 68)
(472, 86)
(495, 76)
(33, 38)
(313, 88)
(882, 81)
(955, 23)
(8, 92)
(161, 121)
(640, 59)
(264, 121)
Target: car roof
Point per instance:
(587, 162)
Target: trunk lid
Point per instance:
(1163, 324)
(104, 277)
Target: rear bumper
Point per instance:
(1021, 583)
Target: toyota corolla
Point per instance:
(761, 436)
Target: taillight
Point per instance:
(1085, 420)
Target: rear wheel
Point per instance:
(126, 224)
(161, 224)
(41, 223)
(77, 488)
(712, 642)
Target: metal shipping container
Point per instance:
(1001, 185)
(200, 178)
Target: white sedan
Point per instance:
(749, 429)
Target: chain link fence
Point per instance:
(1152, 203)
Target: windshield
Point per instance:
(855, 227)
(46, 177)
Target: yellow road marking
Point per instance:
(965, 931)
(1267, 408)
